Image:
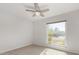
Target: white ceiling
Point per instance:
(18, 9)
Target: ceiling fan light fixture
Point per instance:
(37, 13)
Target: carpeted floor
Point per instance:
(36, 50)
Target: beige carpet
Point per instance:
(36, 50)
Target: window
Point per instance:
(56, 33)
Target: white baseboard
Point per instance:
(16, 47)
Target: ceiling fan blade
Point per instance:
(34, 15)
(45, 10)
(41, 14)
(30, 10)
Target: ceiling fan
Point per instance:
(37, 11)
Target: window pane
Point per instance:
(56, 33)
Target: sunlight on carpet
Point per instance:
(48, 51)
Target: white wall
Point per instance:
(15, 32)
(72, 30)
